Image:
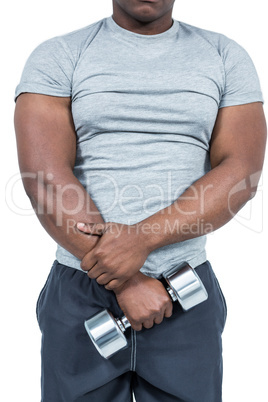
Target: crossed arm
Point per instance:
(236, 154)
(46, 143)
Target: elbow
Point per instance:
(30, 190)
(34, 187)
(243, 191)
(252, 182)
(30, 184)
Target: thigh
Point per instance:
(146, 392)
(183, 355)
(71, 365)
(117, 390)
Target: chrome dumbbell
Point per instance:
(107, 332)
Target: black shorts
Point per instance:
(177, 360)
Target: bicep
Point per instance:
(45, 133)
(239, 134)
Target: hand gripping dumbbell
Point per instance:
(107, 332)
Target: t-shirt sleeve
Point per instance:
(48, 70)
(241, 79)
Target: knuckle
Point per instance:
(135, 321)
(105, 262)
(170, 304)
(90, 275)
(158, 315)
(98, 253)
(83, 265)
(156, 311)
(167, 303)
(168, 313)
(137, 327)
(166, 299)
(148, 325)
(158, 320)
(101, 281)
(169, 309)
(112, 285)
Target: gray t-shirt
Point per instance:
(144, 107)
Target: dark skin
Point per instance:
(143, 17)
(46, 123)
(236, 155)
(114, 253)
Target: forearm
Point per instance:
(59, 204)
(207, 205)
(237, 149)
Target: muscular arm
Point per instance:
(236, 154)
(46, 143)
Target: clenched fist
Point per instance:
(118, 255)
(144, 301)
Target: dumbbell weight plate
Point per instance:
(187, 287)
(105, 333)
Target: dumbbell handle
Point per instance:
(123, 323)
(172, 294)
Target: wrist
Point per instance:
(135, 280)
(150, 234)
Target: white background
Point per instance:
(238, 252)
